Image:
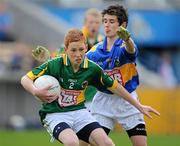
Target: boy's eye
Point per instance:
(112, 21)
(104, 20)
(73, 49)
(81, 49)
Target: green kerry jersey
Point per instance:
(73, 84)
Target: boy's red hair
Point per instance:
(73, 35)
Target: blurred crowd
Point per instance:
(16, 55)
(5, 23)
(164, 62)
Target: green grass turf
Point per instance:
(41, 138)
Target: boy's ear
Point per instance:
(86, 45)
(65, 49)
(124, 24)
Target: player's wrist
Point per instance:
(140, 107)
(124, 34)
(127, 39)
(34, 91)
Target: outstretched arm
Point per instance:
(124, 34)
(122, 92)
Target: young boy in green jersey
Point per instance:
(66, 117)
(90, 29)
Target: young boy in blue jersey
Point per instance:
(117, 56)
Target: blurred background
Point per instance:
(154, 25)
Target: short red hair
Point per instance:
(73, 35)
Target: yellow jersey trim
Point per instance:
(114, 86)
(85, 63)
(33, 77)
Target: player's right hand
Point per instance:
(41, 54)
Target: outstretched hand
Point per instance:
(146, 110)
(123, 33)
(41, 54)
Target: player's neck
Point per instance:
(110, 42)
(75, 67)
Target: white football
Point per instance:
(46, 80)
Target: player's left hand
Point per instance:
(44, 95)
(123, 33)
(146, 110)
(41, 54)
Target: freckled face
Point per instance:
(76, 52)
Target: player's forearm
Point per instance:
(130, 48)
(27, 83)
(122, 92)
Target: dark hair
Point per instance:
(118, 11)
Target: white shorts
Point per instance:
(75, 119)
(88, 105)
(110, 108)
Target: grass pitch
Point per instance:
(41, 138)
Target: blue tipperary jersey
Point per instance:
(117, 63)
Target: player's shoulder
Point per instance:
(91, 63)
(56, 60)
(93, 66)
(99, 45)
(96, 47)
